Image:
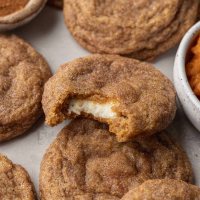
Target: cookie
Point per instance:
(15, 182)
(164, 190)
(133, 97)
(23, 73)
(129, 28)
(188, 11)
(86, 162)
(56, 3)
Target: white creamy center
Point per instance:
(103, 110)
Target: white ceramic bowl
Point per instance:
(23, 16)
(189, 101)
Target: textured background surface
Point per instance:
(48, 34)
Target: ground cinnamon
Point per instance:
(193, 67)
(10, 6)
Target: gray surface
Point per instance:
(48, 34)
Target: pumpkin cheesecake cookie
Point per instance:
(164, 190)
(86, 162)
(142, 29)
(132, 97)
(15, 182)
(23, 73)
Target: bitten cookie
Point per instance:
(23, 73)
(132, 97)
(164, 190)
(141, 29)
(15, 182)
(86, 162)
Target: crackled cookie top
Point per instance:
(139, 29)
(164, 190)
(87, 162)
(131, 96)
(15, 182)
(23, 73)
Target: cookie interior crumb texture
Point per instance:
(132, 97)
(9, 6)
(15, 182)
(86, 162)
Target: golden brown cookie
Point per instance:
(15, 182)
(167, 189)
(56, 3)
(86, 162)
(142, 29)
(133, 97)
(23, 73)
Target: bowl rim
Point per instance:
(30, 9)
(189, 37)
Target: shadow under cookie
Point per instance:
(56, 3)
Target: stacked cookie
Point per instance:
(116, 141)
(87, 162)
(141, 29)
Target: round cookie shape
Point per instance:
(23, 73)
(187, 17)
(15, 182)
(128, 27)
(133, 97)
(167, 189)
(17, 13)
(86, 162)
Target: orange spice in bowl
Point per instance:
(193, 67)
(15, 13)
(10, 6)
(185, 72)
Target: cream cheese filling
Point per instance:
(100, 110)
